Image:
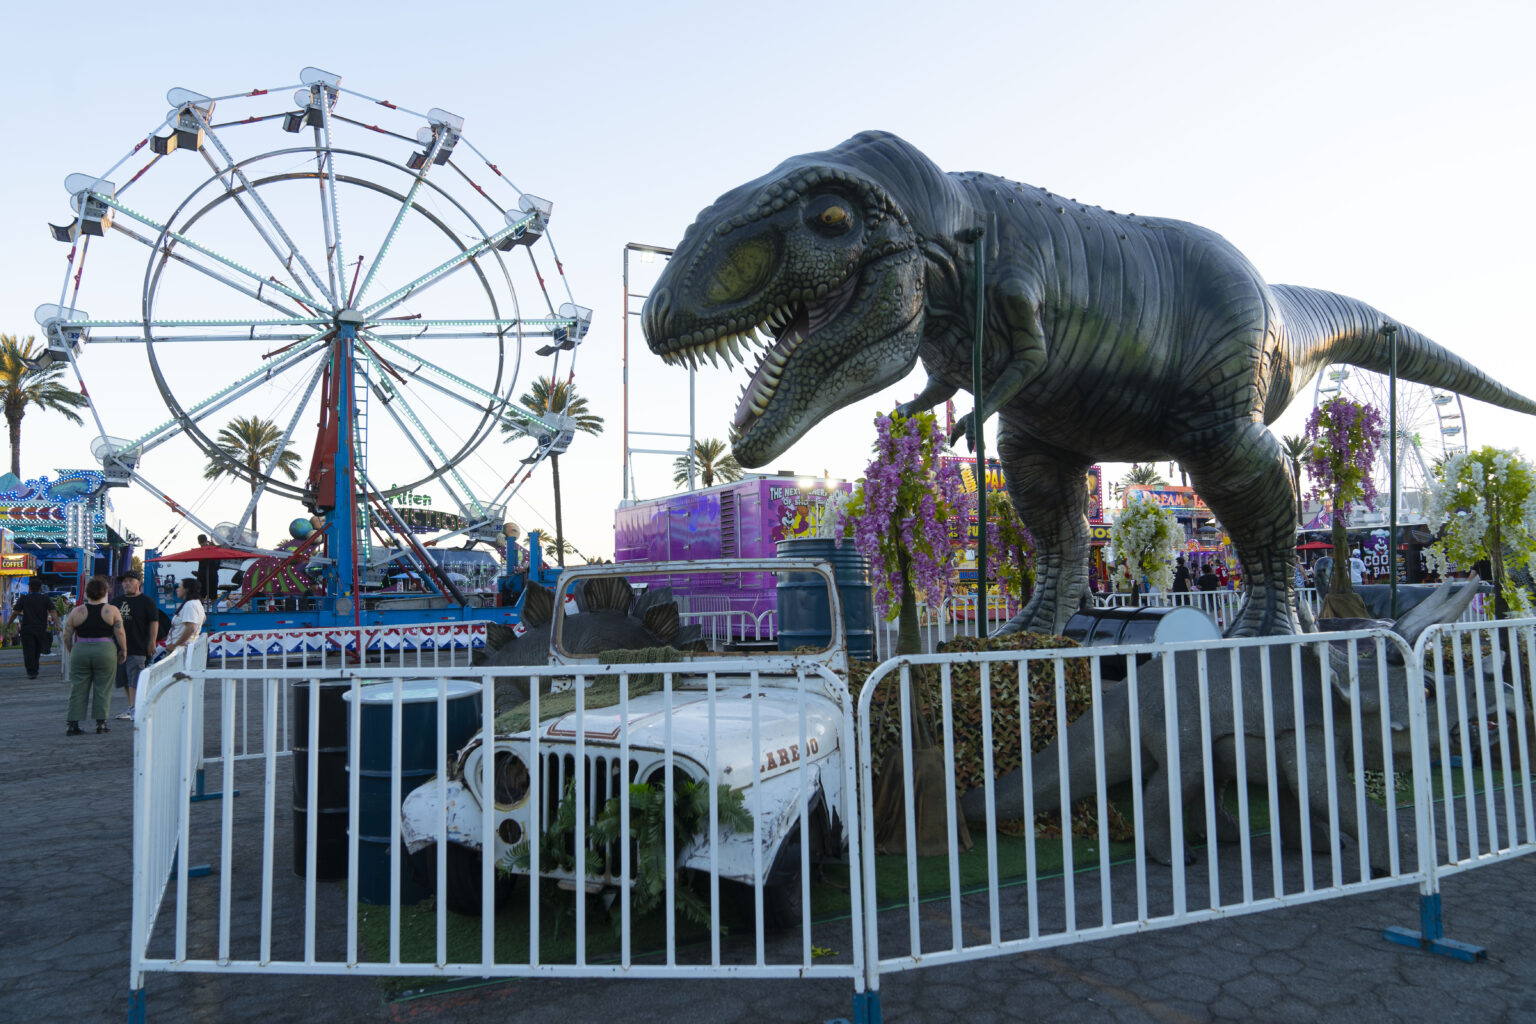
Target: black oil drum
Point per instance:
(330, 756)
(1109, 627)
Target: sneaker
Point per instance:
(126, 716)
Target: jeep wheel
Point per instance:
(463, 896)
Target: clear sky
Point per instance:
(1381, 150)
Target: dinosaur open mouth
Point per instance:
(783, 329)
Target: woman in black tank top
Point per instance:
(95, 644)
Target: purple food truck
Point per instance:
(744, 519)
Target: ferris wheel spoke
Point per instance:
(330, 213)
(282, 445)
(541, 327)
(510, 410)
(227, 179)
(173, 428)
(447, 268)
(416, 433)
(229, 282)
(239, 172)
(394, 229)
(308, 321)
(197, 247)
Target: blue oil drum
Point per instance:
(805, 618)
(419, 762)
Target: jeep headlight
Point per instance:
(509, 780)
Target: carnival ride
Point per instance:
(1431, 424)
(338, 256)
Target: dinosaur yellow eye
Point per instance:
(830, 215)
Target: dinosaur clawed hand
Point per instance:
(964, 427)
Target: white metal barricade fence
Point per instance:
(1480, 676)
(1269, 683)
(1318, 755)
(164, 757)
(776, 731)
(721, 628)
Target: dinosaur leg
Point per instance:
(1244, 477)
(1155, 825)
(1050, 494)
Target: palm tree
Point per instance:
(711, 458)
(1146, 476)
(559, 550)
(23, 386)
(546, 396)
(1295, 447)
(245, 446)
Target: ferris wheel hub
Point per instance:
(349, 317)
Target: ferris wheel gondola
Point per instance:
(373, 292)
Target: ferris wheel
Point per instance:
(353, 275)
(1431, 424)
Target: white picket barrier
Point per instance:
(164, 760)
(326, 651)
(1480, 675)
(1298, 748)
(695, 726)
(718, 629)
(988, 918)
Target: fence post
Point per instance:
(1430, 935)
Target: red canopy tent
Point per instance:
(1315, 545)
(198, 554)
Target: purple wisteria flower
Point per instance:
(1344, 437)
(903, 507)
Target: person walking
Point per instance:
(1180, 576)
(38, 615)
(1208, 579)
(141, 623)
(88, 629)
(190, 616)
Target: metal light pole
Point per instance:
(1390, 330)
(981, 446)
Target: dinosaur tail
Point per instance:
(1321, 328)
(1082, 779)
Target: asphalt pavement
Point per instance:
(65, 904)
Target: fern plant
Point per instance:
(648, 830)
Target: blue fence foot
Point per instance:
(193, 870)
(1431, 935)
(866, 1008)
(136, 1006)
(199, 793)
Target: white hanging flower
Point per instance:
(1146, 538)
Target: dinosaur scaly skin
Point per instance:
(1107, 337)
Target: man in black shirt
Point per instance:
(1207, 580)
(37, 614)
(141, 624)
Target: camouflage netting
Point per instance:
(965, 688)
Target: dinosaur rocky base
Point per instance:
(1292, 747)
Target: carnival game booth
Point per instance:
(65, 527)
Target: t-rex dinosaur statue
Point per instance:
(1107, 336)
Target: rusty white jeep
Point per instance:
(773, 726)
